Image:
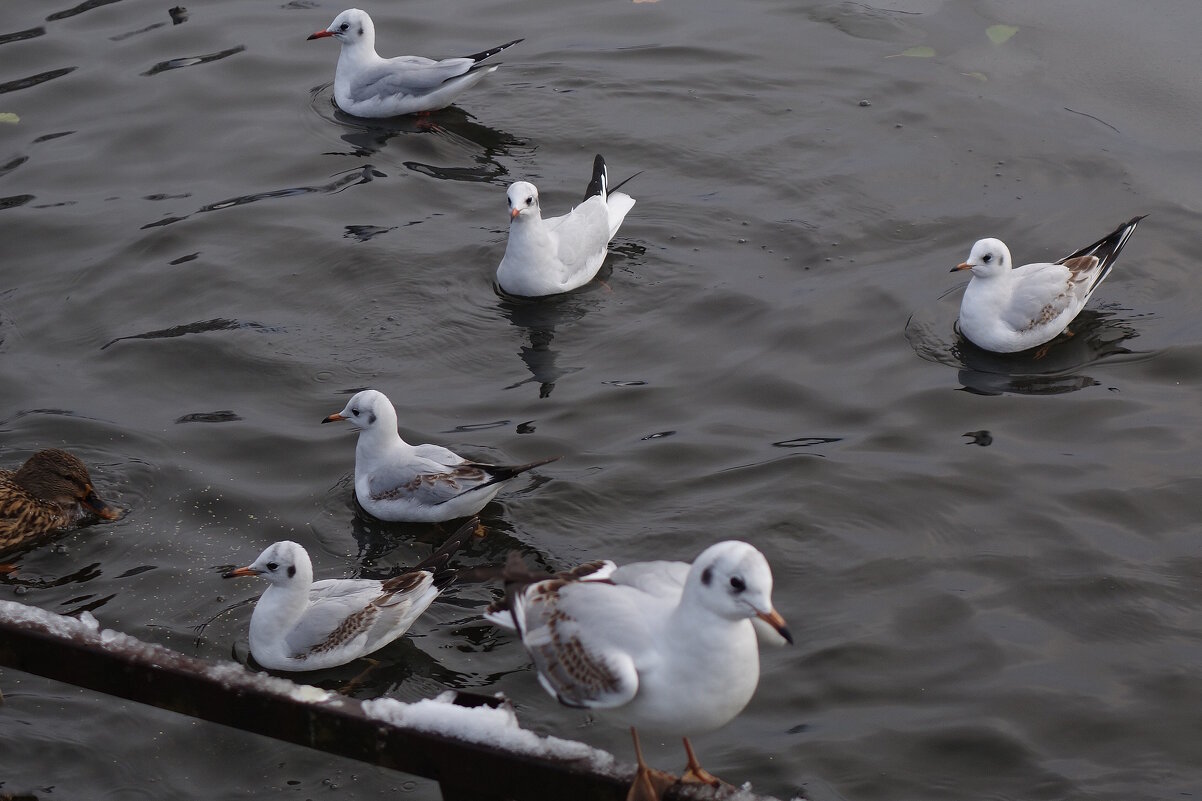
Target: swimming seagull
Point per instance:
(302, 624)
(635, 641)
(399, 482)
(546, 257)
(1007, 309)
(369, 86)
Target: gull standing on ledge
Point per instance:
(369, 86)
(676, 659)
(399, 482)
(1007, 309)
(302, 624)
(546, 257)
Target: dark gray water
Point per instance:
(991, 564)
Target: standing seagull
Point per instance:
(369, 86)
(546, 257)
(400, 482)
(302, 624)
(680, 659)
(1007, 309)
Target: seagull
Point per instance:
(1007, 310)
(546, 257)
(369, 86)
(302, 624)
(399, 482)
(635, 641)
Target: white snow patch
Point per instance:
(483, 725)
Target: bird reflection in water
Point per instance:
(460, 131)
(539, 319)
(1051, 370)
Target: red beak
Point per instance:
(319, 35)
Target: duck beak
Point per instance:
(773, 619)
(94, 504)
(513, 214)
(962, 266)
(334, 418)
(319, 35)
(241, 571)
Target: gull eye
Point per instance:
(529, 200)
(988, 257)
(272, 566)
(344, 26)
(737, 584)
(355, 412)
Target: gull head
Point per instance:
(350, 28)
(523, 201)
(284, 563)
(366, 411)
(989, 257)
(733, 581)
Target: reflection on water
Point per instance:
(1097, 334)
(487, 147)
(539, 318)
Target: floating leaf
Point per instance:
(1000, 33)
(980, 76)
(921, 51)
(9, 117)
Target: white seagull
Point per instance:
(1007, 309)
(302, 624)
(399, 482)
(634, 641)
(546, 257)
(369, 86)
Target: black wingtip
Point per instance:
(436, 562)
(483, 54)
(596, 185)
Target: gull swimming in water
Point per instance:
(636, 642)
(367, 85)
(559, 254)
(399, 482)
(302, 624)
(1007, 309)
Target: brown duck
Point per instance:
(44, 495)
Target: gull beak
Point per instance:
(241, 571)
(334, 418)
(319, 35)
(962, 266)
(773, 619)
(513, 214)
(94, 504)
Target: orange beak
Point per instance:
(962, 266)
(334, 418)
(513, 214)
(777, 622)
(319, 35)
(241, 571)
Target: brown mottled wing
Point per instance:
(1080, 265)
(580, 635)
(346, 610)
(425, 487)
(24, 518)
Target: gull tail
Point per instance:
(498, 473)
(1106, 250)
